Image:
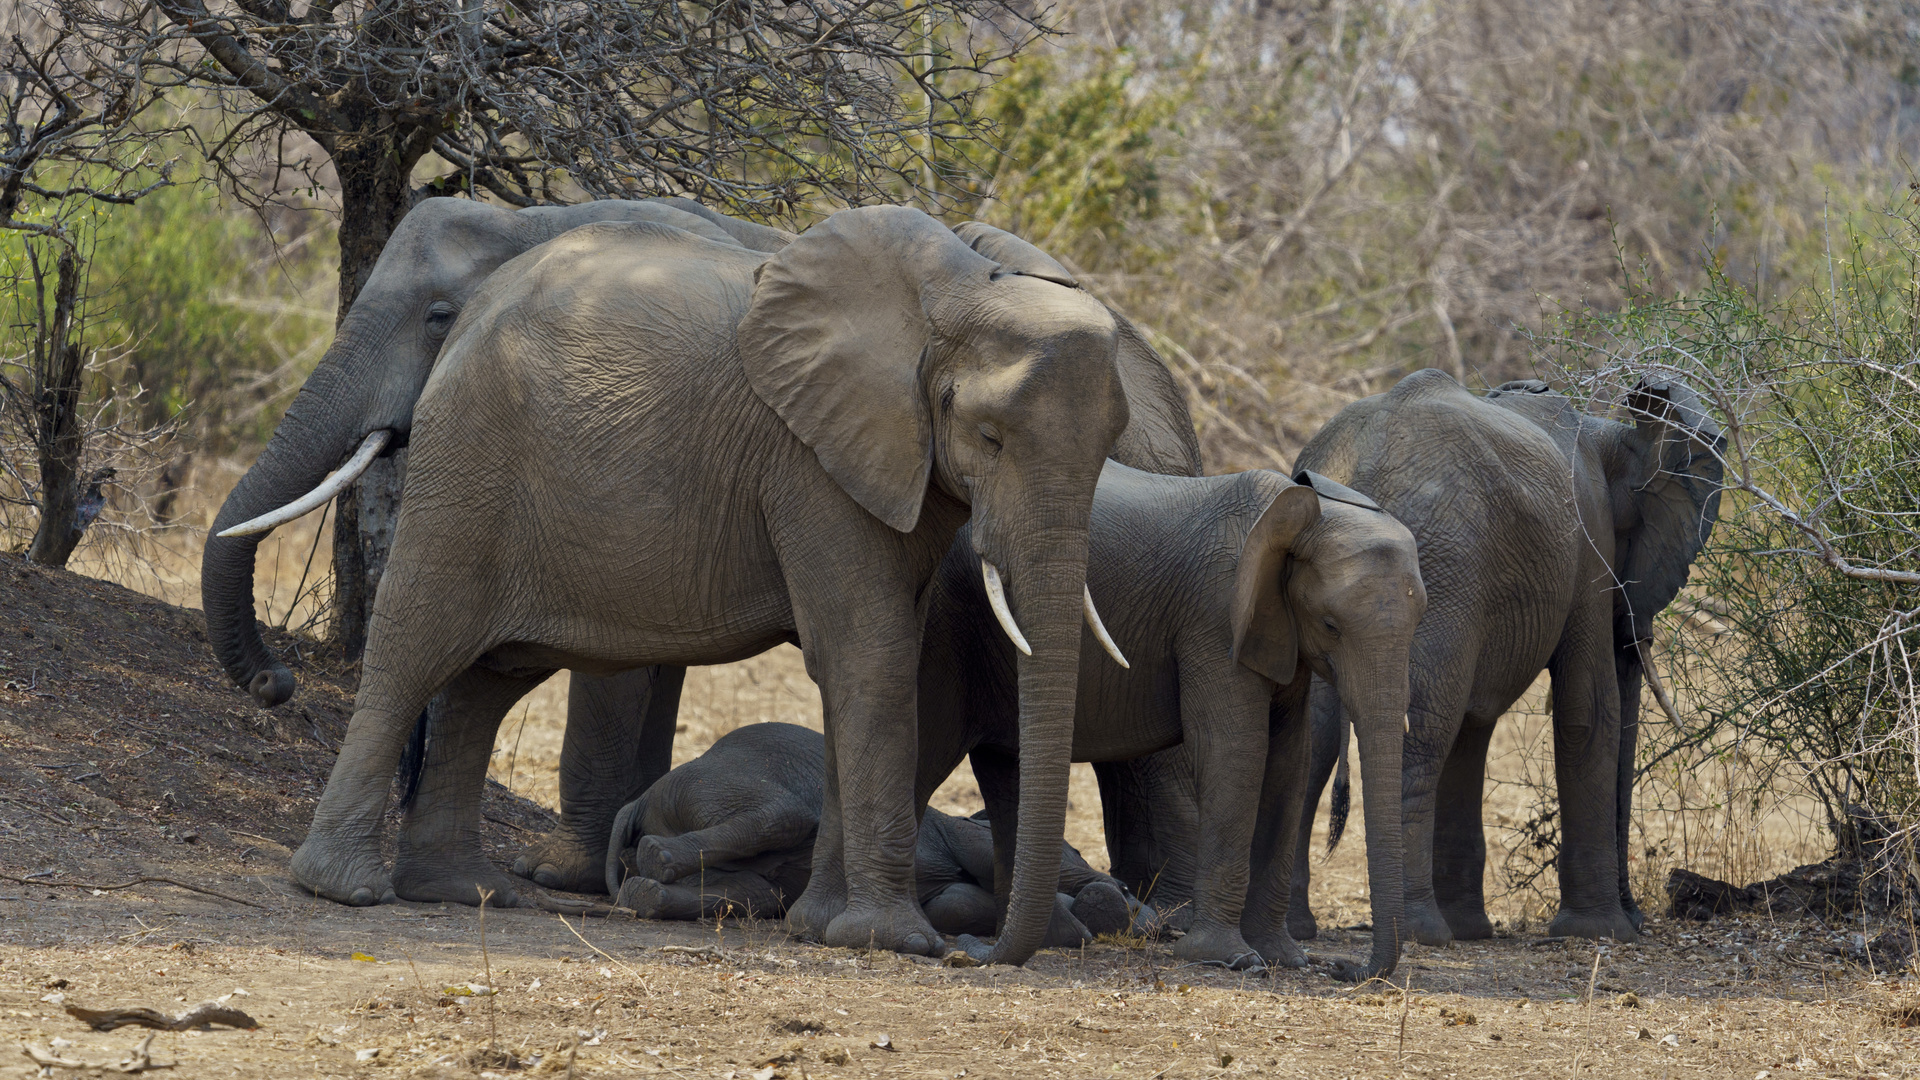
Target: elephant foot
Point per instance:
(1611, 923)
(346, 873)
(1301, 925)
(458, 880)
(1102, 909)
(1279, 950)
(1219, 945)
(809, 917)
(1064, 931)
(1426, 925)
(561, 860)
(1634, 915)
(1469, 924)
(644, 897)
(900, 927)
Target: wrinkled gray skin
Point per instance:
(1224, 593)
(732, 831)
(370, 379)
(640, 446)
(597, 774)
(1548, 539)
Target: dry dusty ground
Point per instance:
(124, 753)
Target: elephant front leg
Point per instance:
(1229, 766)
(1586, 766)
(441, 856)
(1283, 819)
(619, 740)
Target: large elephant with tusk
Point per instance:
(642, 446)
(358, 405)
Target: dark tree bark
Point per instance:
(57, 368)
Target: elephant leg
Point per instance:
(720, 894)
(440, 856)
(1329, 741)
(826, 894)
(1277, 828)
(1626, 666)
(778, 827)
(1459, 838)
(1586, 766)
(1228, 772)
(962, 908)
(1434, 718)
(1126, 819)
(619, 740)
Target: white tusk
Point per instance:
(1100, 629)
(997, 598)
(333, 485)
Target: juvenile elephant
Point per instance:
(644, 447)
(362, 395)
(732, 831)
(1224, 593)
(1548, 539)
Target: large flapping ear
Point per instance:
(834, 339)
(1678, 496)
(1014, 255)
(1265, 638)
(1159, 436)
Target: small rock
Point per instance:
(1670, 1040)
(367, 1054)
(884, 1043)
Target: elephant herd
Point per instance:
(644, 435)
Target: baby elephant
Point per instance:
(732, 831)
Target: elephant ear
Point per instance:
(1265, 638)
(1329, 488)
(1014, 255)
(1677, 495)
(834, 340)
(1159, 436)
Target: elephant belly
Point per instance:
(1128, 715)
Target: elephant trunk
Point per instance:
(1376, 699)
(316, 435)
(1046, 579)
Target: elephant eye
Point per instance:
(992, 437)
(440, 319)
(1331, 628)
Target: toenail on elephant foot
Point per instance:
(559, 860)
(809, 917)
(901, 928)
(1218, 946)
(343, 874)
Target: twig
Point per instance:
(142, 880)
(596, 948)
(140, 1059)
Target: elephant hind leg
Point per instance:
(1459, 838)
(440, 856)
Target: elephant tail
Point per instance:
(413, 762)
(1342, 795)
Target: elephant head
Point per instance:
(361, 395)
(1666, 488)
(1330, 582)
(908, 361)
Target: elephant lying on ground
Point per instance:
(1548, 539)
(732, 831)
(1224, 593)
(855, 398)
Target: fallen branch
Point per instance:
(142, 880)
(201, 1015)
(138, 1060)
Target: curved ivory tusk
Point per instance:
(1099, 628)
(997, 598)
(333, 485)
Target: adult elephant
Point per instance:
(597, 770)
(643, 447)
(362, 395)
(1548, 539)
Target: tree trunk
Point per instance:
(58, 440)
(375, 173)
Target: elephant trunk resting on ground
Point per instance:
(1548, 539)
(857, 397)
(732, 832)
